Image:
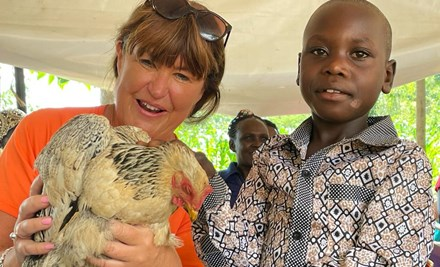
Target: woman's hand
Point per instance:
(133, 246)
(27, 225)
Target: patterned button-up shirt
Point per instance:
(364, 201)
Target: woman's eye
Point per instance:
(147, 63)
(248, 138)
(182, 77)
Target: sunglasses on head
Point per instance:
(212, 27)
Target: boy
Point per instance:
(342, 189)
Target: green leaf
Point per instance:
(51, 79)
(62, 82)
(40, 75)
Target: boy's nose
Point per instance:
(337, 65)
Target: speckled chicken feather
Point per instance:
(93, 172)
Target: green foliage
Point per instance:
(51, 78)
(7, 99)
(209, 137)
(287, 123)
(400, 104)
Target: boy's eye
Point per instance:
(360, 54)
(319, 52)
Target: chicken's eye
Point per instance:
(187, 189)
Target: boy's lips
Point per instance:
(331, 90)
(332, 93)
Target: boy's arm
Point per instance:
(398, 225)
(224, 234)
(205, 248)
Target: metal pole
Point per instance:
(20, 89)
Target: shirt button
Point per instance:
(296, 235)
(306, 173)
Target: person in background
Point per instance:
(272, 127)
(437, 218)
(246, 133)
(168, 64)
(343, 189)
(8, 121)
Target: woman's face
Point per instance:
(153, 97)
(251, 133)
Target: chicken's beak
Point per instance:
(191, 212)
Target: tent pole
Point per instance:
(421, 113)
(20, 89)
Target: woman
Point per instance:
(168, 66)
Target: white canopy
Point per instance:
(74, 39)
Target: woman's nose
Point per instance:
(160, 85)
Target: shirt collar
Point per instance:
(380, 132)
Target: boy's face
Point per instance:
(343, 66)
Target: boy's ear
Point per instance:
(232, 145)
(297, 74)
(389, 78)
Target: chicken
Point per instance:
(93, 172)
(9, 119)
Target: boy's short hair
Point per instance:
(377, 11)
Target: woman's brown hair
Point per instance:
(165, 40)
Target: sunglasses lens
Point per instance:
(211, 26)
(171, 9)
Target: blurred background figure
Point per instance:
(246, 133)
(437, 217)
(9, 119)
